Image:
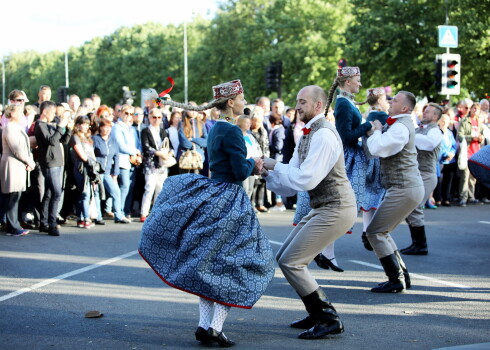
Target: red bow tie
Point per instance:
(390, 120)
(306, 131)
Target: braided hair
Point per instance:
(338, 81)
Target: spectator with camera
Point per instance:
(50, 138)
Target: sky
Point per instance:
(62, 24)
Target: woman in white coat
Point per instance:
(16, 162)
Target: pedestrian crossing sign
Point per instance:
(448, 36)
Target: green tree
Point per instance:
(395, 42)
(246, 35)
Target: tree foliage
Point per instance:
(394, 42)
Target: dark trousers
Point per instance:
(53, 184)
(13, 199)
(448, 173)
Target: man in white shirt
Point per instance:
(395, 145)
(317, 166)
(428, 139)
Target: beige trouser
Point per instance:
(314, 232)
(395, 207)
(416, 217)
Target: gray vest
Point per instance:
(401, 170)
(334, 190)
(428, 159)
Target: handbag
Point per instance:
(463, 155)
(170, 161)
(191, 160)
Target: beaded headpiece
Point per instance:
(376, 91)
(348, 72)
(227, 90)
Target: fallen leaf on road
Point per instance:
(93, 314)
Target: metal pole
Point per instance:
(67, 84)
(3, 82)
(185, 63)
(447, 23)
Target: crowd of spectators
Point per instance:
(86, 162)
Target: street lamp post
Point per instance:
(185, 63)
(3, 82)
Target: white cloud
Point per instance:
(57, 25)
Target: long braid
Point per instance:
(184, 106)
(331, 91)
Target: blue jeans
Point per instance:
(126, 177)
(83, 202)
(13, 199)
(113, 191)
(53, 178)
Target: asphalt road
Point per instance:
(47, 284)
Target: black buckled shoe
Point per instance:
(306, 323)
(325, 263)
(220, 338)
(202, 335)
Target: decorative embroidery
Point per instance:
(348, 72)
(347, 95)
(376, 91)
(227, 90)
(227, 118)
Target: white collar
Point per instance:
(317, 117)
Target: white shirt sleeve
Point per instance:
(287, 179)
(430, 141)
(389, 143)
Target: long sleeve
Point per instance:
(234, 145)
(287, 179)
(430, 141)
(389, 143)
(124, 146)
(348, 122)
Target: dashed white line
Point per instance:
(484, 222)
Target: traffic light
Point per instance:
(273, 74)
(451, 74)
(438, 73)
(62, 94)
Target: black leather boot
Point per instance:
(366, 243)
(396, 282)
(406, 276)
(310, 320)
(419, 242)
(327, 320)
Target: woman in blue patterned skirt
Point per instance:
(202, 235)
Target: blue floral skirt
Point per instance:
(479, 165)
(374, 191)
(355, 167)
(203, 237)
(302, 207)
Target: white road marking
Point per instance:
(275, 242)
(416, 275)
(484, 222)
(66, 275)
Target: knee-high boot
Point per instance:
(419, 242)
(320, 310)
(396, 281)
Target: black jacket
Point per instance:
(149, 146)
(50, 138)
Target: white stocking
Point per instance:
(220, 314)
(205, 312)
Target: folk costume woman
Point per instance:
(349, 125)
(202, 235)
(374, 193)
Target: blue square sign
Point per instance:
(448, 36)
